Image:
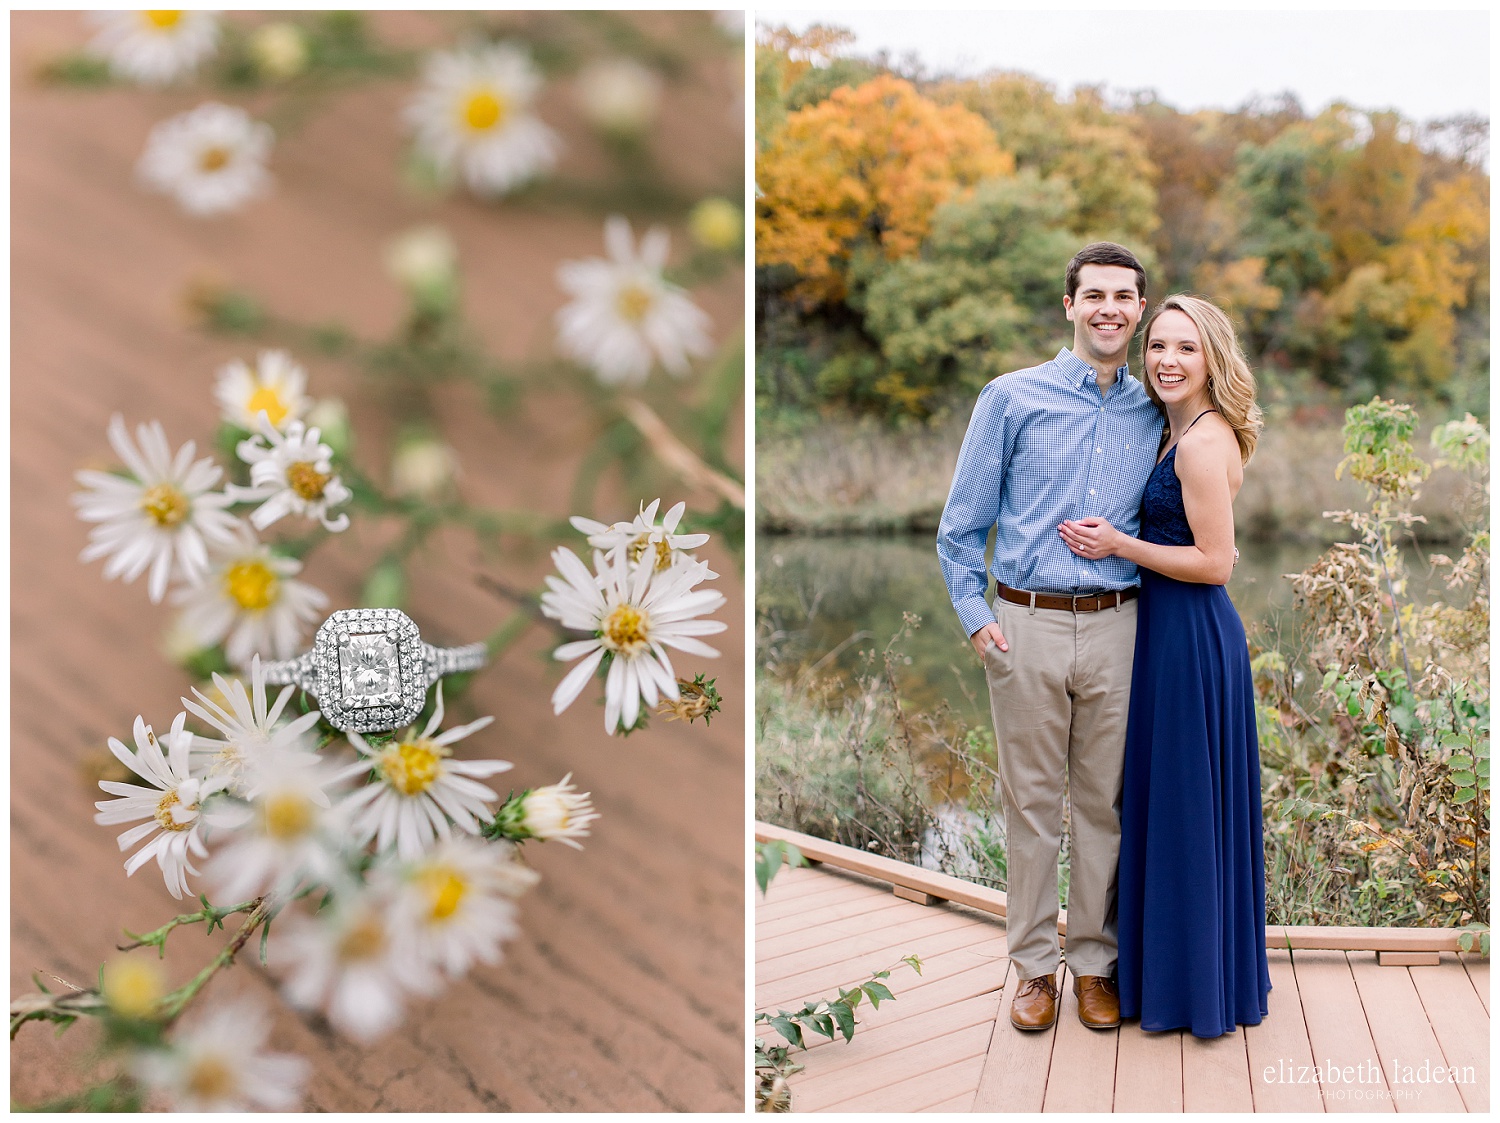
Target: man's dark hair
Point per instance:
(1103, 253)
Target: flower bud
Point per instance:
(133, 986)
(717, 224)
(424, 468)
(557, 813)
(279, 50)
(422, 259)
(331, 417)
(619, 96)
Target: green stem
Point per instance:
(173, 1004)
(214, 916)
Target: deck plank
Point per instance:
(1461, 1025)
(921, 1092)
(978, 943)
(1216, 1073)
(828, 914)
(875, 1042)
(1278, 1049)
(1403, 1037)
(1148, 1070)
(1337, 1029)
(1086, 1056)
(817, 1090)
(1478, 968)
(789, 955)
(942, 984)
(1016, 1066)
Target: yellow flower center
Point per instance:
(306, 480)
(210, 1079)
(287, 815)
(632, 302)
(164, 813)
(365, 939)
(412, 766)
(213, 159)
(626, 629)
(445, 888)
(165, 503)
(637, 550)
(267, 399)
(484, 110)
(162, 21)
(251, 585)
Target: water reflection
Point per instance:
(822, 602)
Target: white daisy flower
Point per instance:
(619, 95)
(172, 806)
(642, 537)
(625, 316)
(633, 614)
(473, 116)
(161, 516)
(558, 813)
(215, 1063)
(351, 962)
(155, 47)
(288, 835)
(418, 787)
(454, 906)
(211, 159)
(275, 386)
(291, 473)
(251, 732)
(249, 597)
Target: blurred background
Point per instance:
(922, 180)
(624, 990)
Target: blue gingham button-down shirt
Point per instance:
(1043, 446)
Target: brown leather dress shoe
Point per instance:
(1035, 1003)
(1098, 1001)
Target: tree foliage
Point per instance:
(912, 234)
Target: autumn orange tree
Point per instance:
(863, 170)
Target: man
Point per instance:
(1073, 438)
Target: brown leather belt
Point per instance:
(1092, 603)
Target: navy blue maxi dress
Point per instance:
(1192, 899)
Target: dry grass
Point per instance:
(851, 476)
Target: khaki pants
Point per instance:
(1059, 698)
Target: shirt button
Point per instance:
(1091, 491)
(1098, 450)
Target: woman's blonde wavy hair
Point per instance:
(1231, 385)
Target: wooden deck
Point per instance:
(946, 1043)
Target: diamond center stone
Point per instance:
(369, 671)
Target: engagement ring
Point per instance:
(370, 670)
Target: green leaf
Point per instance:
(1482, 769)
(1462, 779)
(1464, 795)
(1466, 941)
(844, 1015)
(788, 1029)
(1352, 707)
(823, 1023)
(877, 992)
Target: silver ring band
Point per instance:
(370, 670)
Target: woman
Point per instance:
(1192, 913)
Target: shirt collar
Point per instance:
(1079, 372)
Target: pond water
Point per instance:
(820, 602)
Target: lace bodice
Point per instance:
(1163, 518)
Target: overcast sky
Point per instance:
(1426, 65)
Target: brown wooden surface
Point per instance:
(625, 990)
(919, 1053)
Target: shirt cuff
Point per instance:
(974, 613)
